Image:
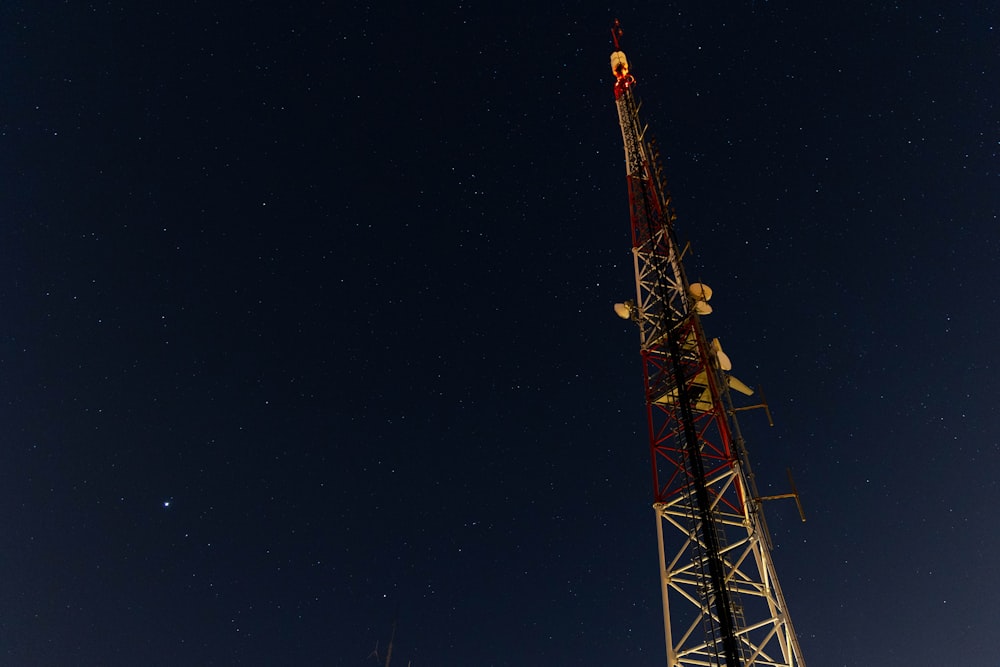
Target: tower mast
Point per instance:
(722, 604)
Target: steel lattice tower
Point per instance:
(722, 604)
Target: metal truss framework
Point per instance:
(722, 602)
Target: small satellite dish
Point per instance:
(700, 291)
(623, 310)
(702, 308)
(724, 362)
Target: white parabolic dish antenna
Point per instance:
(724, 362)
(700, 292)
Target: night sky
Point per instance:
(307, 325)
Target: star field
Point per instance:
(308, 328)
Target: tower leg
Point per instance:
(671, 658)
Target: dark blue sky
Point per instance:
(307, 325)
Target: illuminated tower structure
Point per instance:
(722, 604)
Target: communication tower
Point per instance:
(722, 604)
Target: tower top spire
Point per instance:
(619, 63)
(616, 34)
